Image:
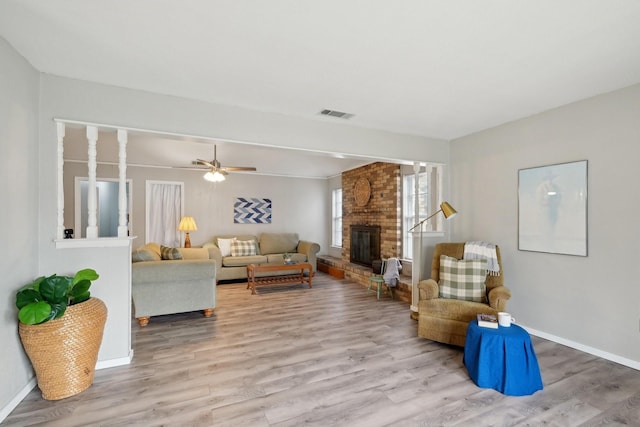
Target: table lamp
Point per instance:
(187, 224)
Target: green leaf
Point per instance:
(54, 289)
(34, 313)
(86, 274)
(81, 298)
(27, 296)
(34, 285)
(57, 310)
(80, 288)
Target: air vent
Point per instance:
(334, 113)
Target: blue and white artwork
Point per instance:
(248, 210)
(552, 209)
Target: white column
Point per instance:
(122, 188)
(60, 130)
(92, 199)
(416, 269)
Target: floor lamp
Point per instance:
(449, 212)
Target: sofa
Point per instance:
(172, 280)
(232, 253)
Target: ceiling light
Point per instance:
(214, 176)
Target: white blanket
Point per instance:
(483, 250)
(392, 272)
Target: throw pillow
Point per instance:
(170, 253)
(243, 248)
(141, 254)
(463, 279)
(225, 245)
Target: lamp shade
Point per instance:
(447, 210)
(187, 223)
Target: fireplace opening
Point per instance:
(365, 244)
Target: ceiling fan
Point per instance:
(217, 172)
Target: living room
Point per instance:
(589, 303)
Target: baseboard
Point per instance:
(111, 363)
(4, 412)
(585, 348)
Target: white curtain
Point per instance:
(165, 208)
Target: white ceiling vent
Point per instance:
(334, 113)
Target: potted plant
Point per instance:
(61, 329)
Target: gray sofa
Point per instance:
(166, 286)
(269, 248)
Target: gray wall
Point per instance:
(19, 86)
(590, 302)
(298, 204)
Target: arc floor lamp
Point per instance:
(449, 212)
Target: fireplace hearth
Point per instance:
(365, 244)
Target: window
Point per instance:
(427, 197)
(336, 218)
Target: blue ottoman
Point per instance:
(502, 359)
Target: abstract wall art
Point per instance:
(251, 210)
(552, 208)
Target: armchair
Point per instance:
(446, 320)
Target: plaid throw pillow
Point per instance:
(463, 279)
(243, 248)
(170, 253)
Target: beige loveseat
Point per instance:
(269, 248)
(166, 286)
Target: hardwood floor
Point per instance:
(330, 355)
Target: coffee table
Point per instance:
(502, 359)
(258, 274)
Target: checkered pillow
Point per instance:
(463, 279)
(243, 248)
(167, 252)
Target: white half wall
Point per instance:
(595, 300)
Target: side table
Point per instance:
(502, 359)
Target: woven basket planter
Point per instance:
(64, 351)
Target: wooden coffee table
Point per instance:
(257, 274)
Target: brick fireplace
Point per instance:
(376, 205)
(381, 209)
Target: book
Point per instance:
(487, 321)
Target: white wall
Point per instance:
(19, 86)
(589, 302)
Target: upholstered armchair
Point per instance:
(446, 319)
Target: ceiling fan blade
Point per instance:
(239, 168)
(204, 163)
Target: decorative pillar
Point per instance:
(60, 130)
(92, 199)
(123, 230)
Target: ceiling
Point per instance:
(439, 69)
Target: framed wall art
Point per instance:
(552, 208)
(251, 210)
